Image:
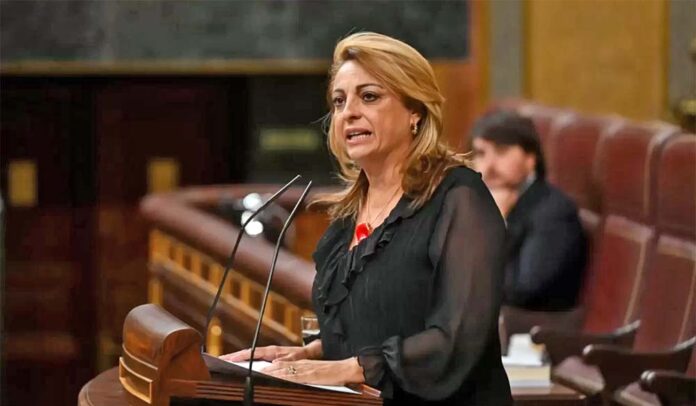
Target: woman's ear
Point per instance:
(414, 123)
(415, 118)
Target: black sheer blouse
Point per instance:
(418, 300)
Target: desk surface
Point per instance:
(106, 390)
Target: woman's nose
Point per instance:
(351, 110)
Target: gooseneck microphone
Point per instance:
(230, 260)
(249, 385)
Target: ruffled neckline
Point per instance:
(333, 253)
(330, 294)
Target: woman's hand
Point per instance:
(277, 353)
(270, 353)
(318, 372)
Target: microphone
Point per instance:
(230, 260)
(249, 385)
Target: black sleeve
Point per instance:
(554, 244)
(466, 250)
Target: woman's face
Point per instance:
(370, 121)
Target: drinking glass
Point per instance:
(310, 329)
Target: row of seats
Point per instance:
(635, 185)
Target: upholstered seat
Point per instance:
(633, 395)
(572, 147)
(635, 185)
(575, 373)
(624, 252)
(669, 314)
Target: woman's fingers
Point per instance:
(237, 356)
(290, 370)
(275, 366)
(317, 371)
(287, 357)
(291, 354)
(304, 371)
(264, 353)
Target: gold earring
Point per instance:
(414, 128)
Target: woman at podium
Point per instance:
(409, 273)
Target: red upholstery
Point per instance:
(634, 395)
(668, 312)
(635, 185)
(667, 299)
(676, 189)
(627, 161)
(591, 222)
(572, 150)
(659, 282)
(609, 166)
(576, 374)
(626, 154)
(618, 267)
(572, 153)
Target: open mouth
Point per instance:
(356, 135)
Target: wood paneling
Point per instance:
(48, 331)
(464, 83)
(139, 121)
(598, 56)
(76, 259)
(309, 227)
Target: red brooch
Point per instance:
(362, 231)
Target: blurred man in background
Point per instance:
(545, 247)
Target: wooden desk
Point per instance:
(106, 390)
(556, 395)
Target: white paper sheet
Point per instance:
(523, 352)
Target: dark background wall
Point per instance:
(210, 29)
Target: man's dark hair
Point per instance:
(509, 128)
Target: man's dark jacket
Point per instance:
(545, 250)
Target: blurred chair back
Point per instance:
(668, 310)
(572, 155)
(627, 156)
(572, 150)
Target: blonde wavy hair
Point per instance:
(406, 73)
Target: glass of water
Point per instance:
(310, 329)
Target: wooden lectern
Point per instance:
(162, 362)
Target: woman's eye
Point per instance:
(338, 101)
(369, 97)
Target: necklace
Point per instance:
(363, 230)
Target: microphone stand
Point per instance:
(230, 260)
(248, 382)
